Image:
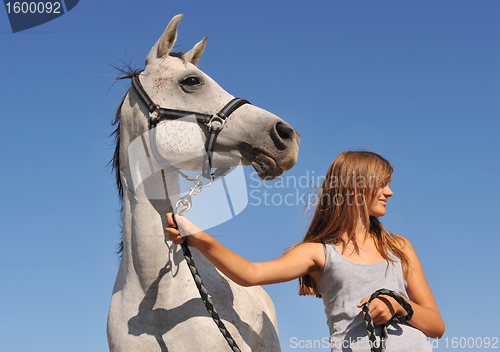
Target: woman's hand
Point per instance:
(382, 308)
(186, 228)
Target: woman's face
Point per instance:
(376, 207)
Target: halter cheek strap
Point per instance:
(215, 125)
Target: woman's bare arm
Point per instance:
(426, 316)
(302, 259)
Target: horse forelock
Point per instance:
(178, 54)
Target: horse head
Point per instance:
(251, 134)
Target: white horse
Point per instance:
(155, 304)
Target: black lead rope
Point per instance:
(370, 326)
(205, 297)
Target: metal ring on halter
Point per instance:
(154, 120)
(216, 117)
(200, 184)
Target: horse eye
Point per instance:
(191, 81)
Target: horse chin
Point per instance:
(266, 167)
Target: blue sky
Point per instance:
(416, 82)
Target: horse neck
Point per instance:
(146, 249)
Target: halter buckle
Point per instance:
(216, 117)
(154, 116)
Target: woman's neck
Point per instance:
(358, 245)
(359, 237)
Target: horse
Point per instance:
(155, 305)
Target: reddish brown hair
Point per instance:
(350, 183)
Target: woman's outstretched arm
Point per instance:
(302, 259)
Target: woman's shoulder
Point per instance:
(312, 247)
(405, 244)
(313, 250)
(403, 241)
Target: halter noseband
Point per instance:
(157, 113)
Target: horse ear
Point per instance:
(193, 55)
(166, 41)
(169, 37)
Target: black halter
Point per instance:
(214, 122)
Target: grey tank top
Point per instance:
(344, 284)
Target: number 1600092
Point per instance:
(33, 7)
(471, 342)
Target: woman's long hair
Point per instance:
(351, 182)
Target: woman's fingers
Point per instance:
(187, 227)
(363, 301)
(174, 234)
(360, 304)
(176, 239)
(172, 228)
(381, 309)
(170, 220)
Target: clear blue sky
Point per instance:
(418, 82)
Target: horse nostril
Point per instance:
(284, 130)
(283, 135)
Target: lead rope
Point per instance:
(370, 326)
(206, 298)
(196, 274)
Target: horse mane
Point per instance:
(115, 164)
(125, 72)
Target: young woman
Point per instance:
(345, 256)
